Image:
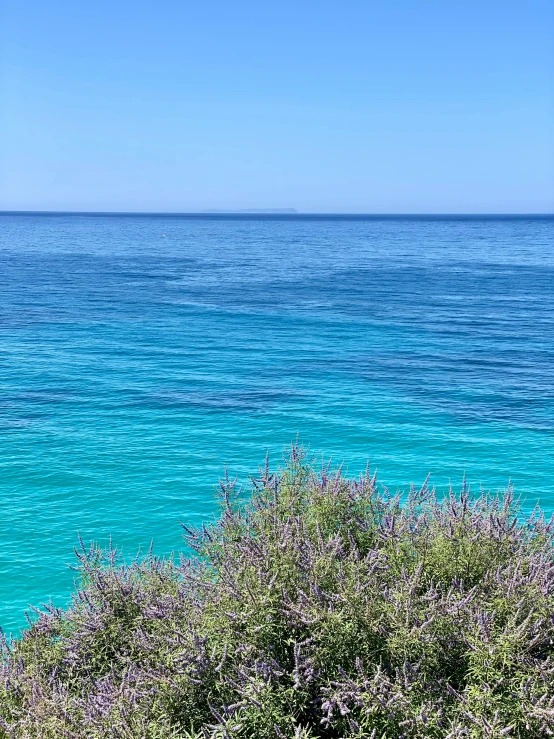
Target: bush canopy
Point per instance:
(318, 607)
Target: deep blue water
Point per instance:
(134, 366)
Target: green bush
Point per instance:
(322, 607)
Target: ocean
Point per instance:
(141, 355)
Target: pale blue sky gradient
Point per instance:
(353, 106)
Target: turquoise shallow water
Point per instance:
(134, 366)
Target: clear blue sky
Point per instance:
(346, 106)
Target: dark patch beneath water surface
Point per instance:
(133, 366)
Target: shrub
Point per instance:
(322, 607)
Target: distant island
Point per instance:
(253, 210)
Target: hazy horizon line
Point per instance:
(276, 213)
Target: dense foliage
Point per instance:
(323, 607)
